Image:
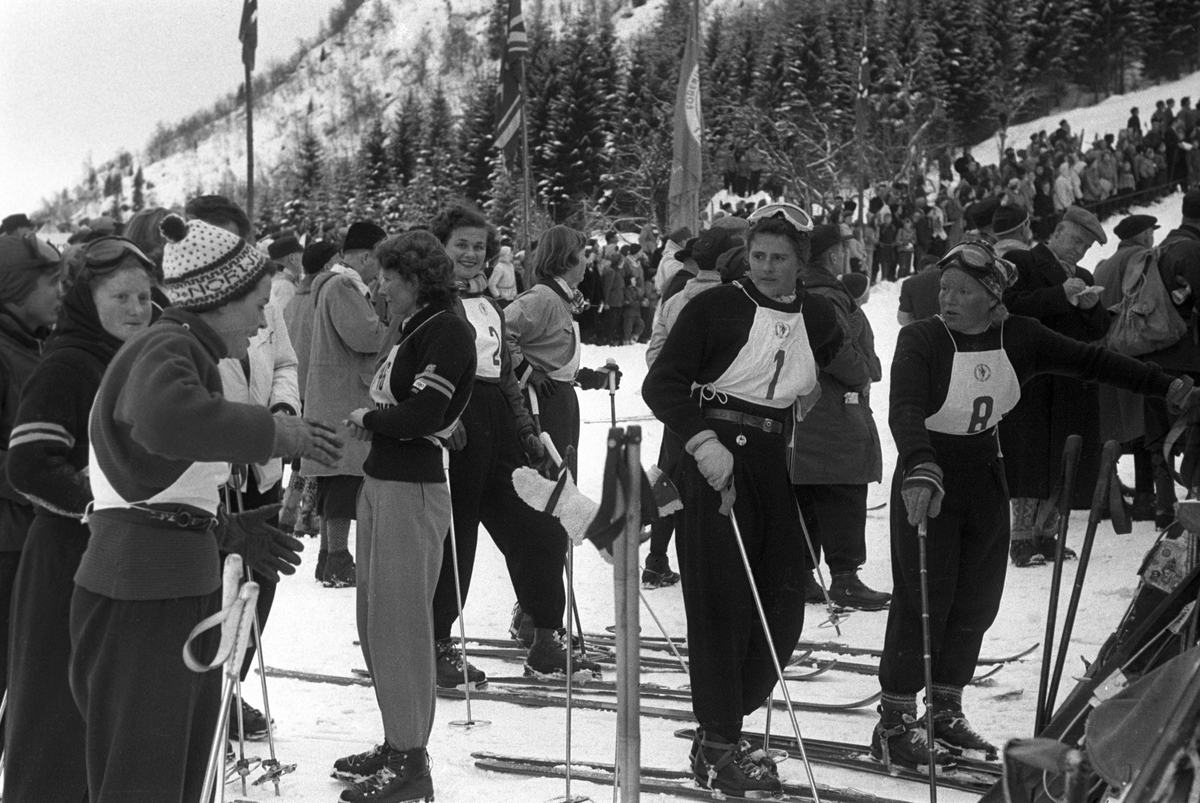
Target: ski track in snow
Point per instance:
(312, 628)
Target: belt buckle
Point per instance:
(184, 519)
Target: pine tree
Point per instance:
(476, 143)
(439, 153)
(965, 66)
(138, 200)
(408, 136)
(503, 205)
(374, 172)
(1173, 52)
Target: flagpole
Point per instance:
(249, 147)
(525, 163)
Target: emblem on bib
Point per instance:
(782, 330)
(983, 372)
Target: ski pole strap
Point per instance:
(227, 619)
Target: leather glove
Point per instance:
(714, 460)
(266, 549)
(544, 386)
(535, 452)
(457, 438)
(1180, 396)
(300, 437)
(597, 379)
(922, 492)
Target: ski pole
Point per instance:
(470, 721)
(1108, 467)
(1070, 464)
(567, 796)
(927, 653)
(612, 389)
(663, 630)
(834, 618)
(762, 616)
(273, 769)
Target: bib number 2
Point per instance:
(981, 414)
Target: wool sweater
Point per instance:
(419, 392)
(20, 350)
(925, 355)
(158, 412)
(709, 335)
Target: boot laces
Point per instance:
(449, 651)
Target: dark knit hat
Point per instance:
(1191, 204)
(284, 246)
(823, 238)
(980, 213)
(14, 222)
(1007, 219)
(681, 235)
(317, 255)
(362, 234)
(205, 267)
(1134, 225)
(733, 264)
(857, 284)
(22, 260)
(706, 248)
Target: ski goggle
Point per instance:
(106, 253)
(972, 256)
(797, 217)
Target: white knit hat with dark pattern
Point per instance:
(205, 267)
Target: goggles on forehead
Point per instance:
(106, 253)
(797, 217)
(973, 256)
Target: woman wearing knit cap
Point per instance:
(30, 293)
(543, 338)
(419, 391)
(108, 303)
(495, 436)
(162, 438)
(954, 377)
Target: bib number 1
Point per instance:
(981, 414)
(779, 357)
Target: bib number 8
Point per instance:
(981, 414)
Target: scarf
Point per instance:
(79, 326)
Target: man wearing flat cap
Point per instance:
(1179, 266)
(1052, 288)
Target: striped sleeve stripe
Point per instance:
(434, 381)
(39, 431)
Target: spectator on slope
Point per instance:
(726, 392)
(1135, 122)
(1010, 226)
(613, 280)
(31, 272)
(108, 303)
(17, 226)
(160, 430)
(286, 252)
(592, 288)
(495, 436)
(347, 335)
(404, 509)
(950, 477)
(502, 284)
(834, 452)
(1122, 413)
(886, 251)
(1051, 287)
(633, 277)
(906, 241)
(918, 294)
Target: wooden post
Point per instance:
(626, 578)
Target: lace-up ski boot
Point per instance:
(1047, 545)
(657, 572)
(363, 766)
(521, 627)
(952, 730)
(450, 667)
(848, 591)
(1024, 553)
(732, 769)
(547, 657)
(404, 778)
(900, 739)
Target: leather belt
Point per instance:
(770, 425)
(181, 518)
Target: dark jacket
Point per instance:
(837, 443)
(20, 350)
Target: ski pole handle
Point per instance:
(612, 376)
(551, 449)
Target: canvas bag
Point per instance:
(1146, 319)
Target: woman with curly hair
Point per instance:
(419, 391)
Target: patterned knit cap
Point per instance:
(205, 267)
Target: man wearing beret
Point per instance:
(1052, 287)
(1179, 266)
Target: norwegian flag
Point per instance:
(248, 32)
(509, 101)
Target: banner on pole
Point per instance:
(248, 32)
(509, 103)
(683, 196)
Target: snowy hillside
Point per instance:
(312, 628)
(386, 50)
(1107, 117)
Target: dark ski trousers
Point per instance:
(253, 498)
(836, 516)
(560, 420)
(44, 756)
(731, 669)
(967, 549)
(661, 529)
(150, 719)
(9, 561)
(533, 543)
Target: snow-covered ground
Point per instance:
(312, 628)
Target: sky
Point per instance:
(80, 79)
